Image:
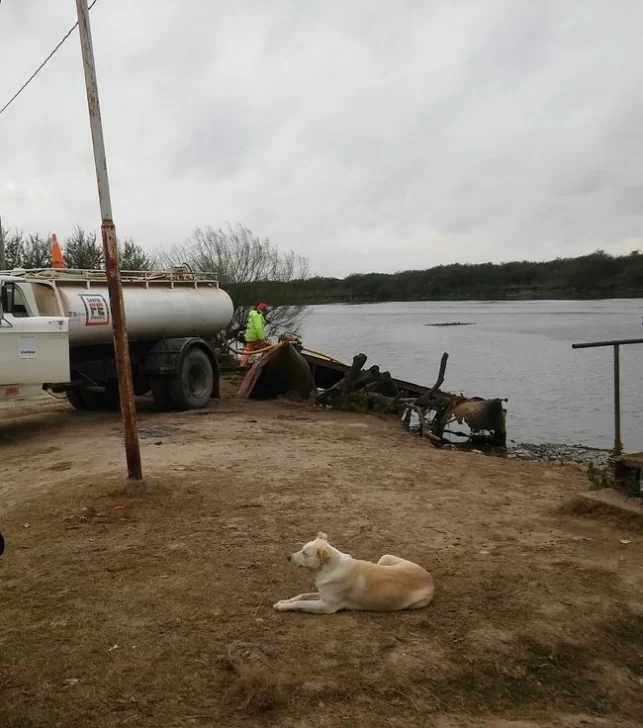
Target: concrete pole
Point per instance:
(110, 248)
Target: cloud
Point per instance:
(365, 135)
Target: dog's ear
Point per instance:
(322, 535)
(323, 555)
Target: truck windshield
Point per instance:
(13, 301)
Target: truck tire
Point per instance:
(141, 386)
(191, 387)
(161, 395)
(76, 399)
(102, 401)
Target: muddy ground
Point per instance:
(154, 610)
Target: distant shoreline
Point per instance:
(594, 277)
(571, 299)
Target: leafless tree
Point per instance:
(251, 270)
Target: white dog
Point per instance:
(347, 583)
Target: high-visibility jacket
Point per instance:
(255, 330)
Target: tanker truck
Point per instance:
(56, 336)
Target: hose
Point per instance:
(324, 355)
(244, 352)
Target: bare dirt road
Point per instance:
(154, 610)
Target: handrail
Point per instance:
(177, 277)
(616, 343)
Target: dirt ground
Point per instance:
(154, 610)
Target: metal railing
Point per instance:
(179, 276)
(616, 343)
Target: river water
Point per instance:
(519, 350)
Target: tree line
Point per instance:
(80, 250)
(252, 269)
(594, 276)
(249, 268)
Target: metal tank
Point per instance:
(152, 313)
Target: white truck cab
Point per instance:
(34, 349)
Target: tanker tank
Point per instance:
(154, 310)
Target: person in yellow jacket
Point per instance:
(255, 332)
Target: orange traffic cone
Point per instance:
(57, 260)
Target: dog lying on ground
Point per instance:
(347, 583)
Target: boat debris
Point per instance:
(289, 370)
(436, 410)
(281, 372)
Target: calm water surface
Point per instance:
(521, 351)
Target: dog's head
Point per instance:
(314, 555)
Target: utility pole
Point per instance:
(3, 259)
(110, 249)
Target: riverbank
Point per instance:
(155, 609)
(522, 352)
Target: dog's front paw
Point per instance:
(280, 606)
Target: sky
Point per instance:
(364, 135)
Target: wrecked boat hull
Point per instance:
(279, 372)
(328, 373)
(286, 371)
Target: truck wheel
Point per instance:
(102, 401)
(141, 386)
(191, 388)
(76, 399)
(161, 395)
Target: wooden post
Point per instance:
(110, 249)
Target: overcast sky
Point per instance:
(366, 135)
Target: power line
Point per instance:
(41, 66)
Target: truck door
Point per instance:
(34, 350)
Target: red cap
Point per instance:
(261, 307)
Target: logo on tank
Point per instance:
(96, 309)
